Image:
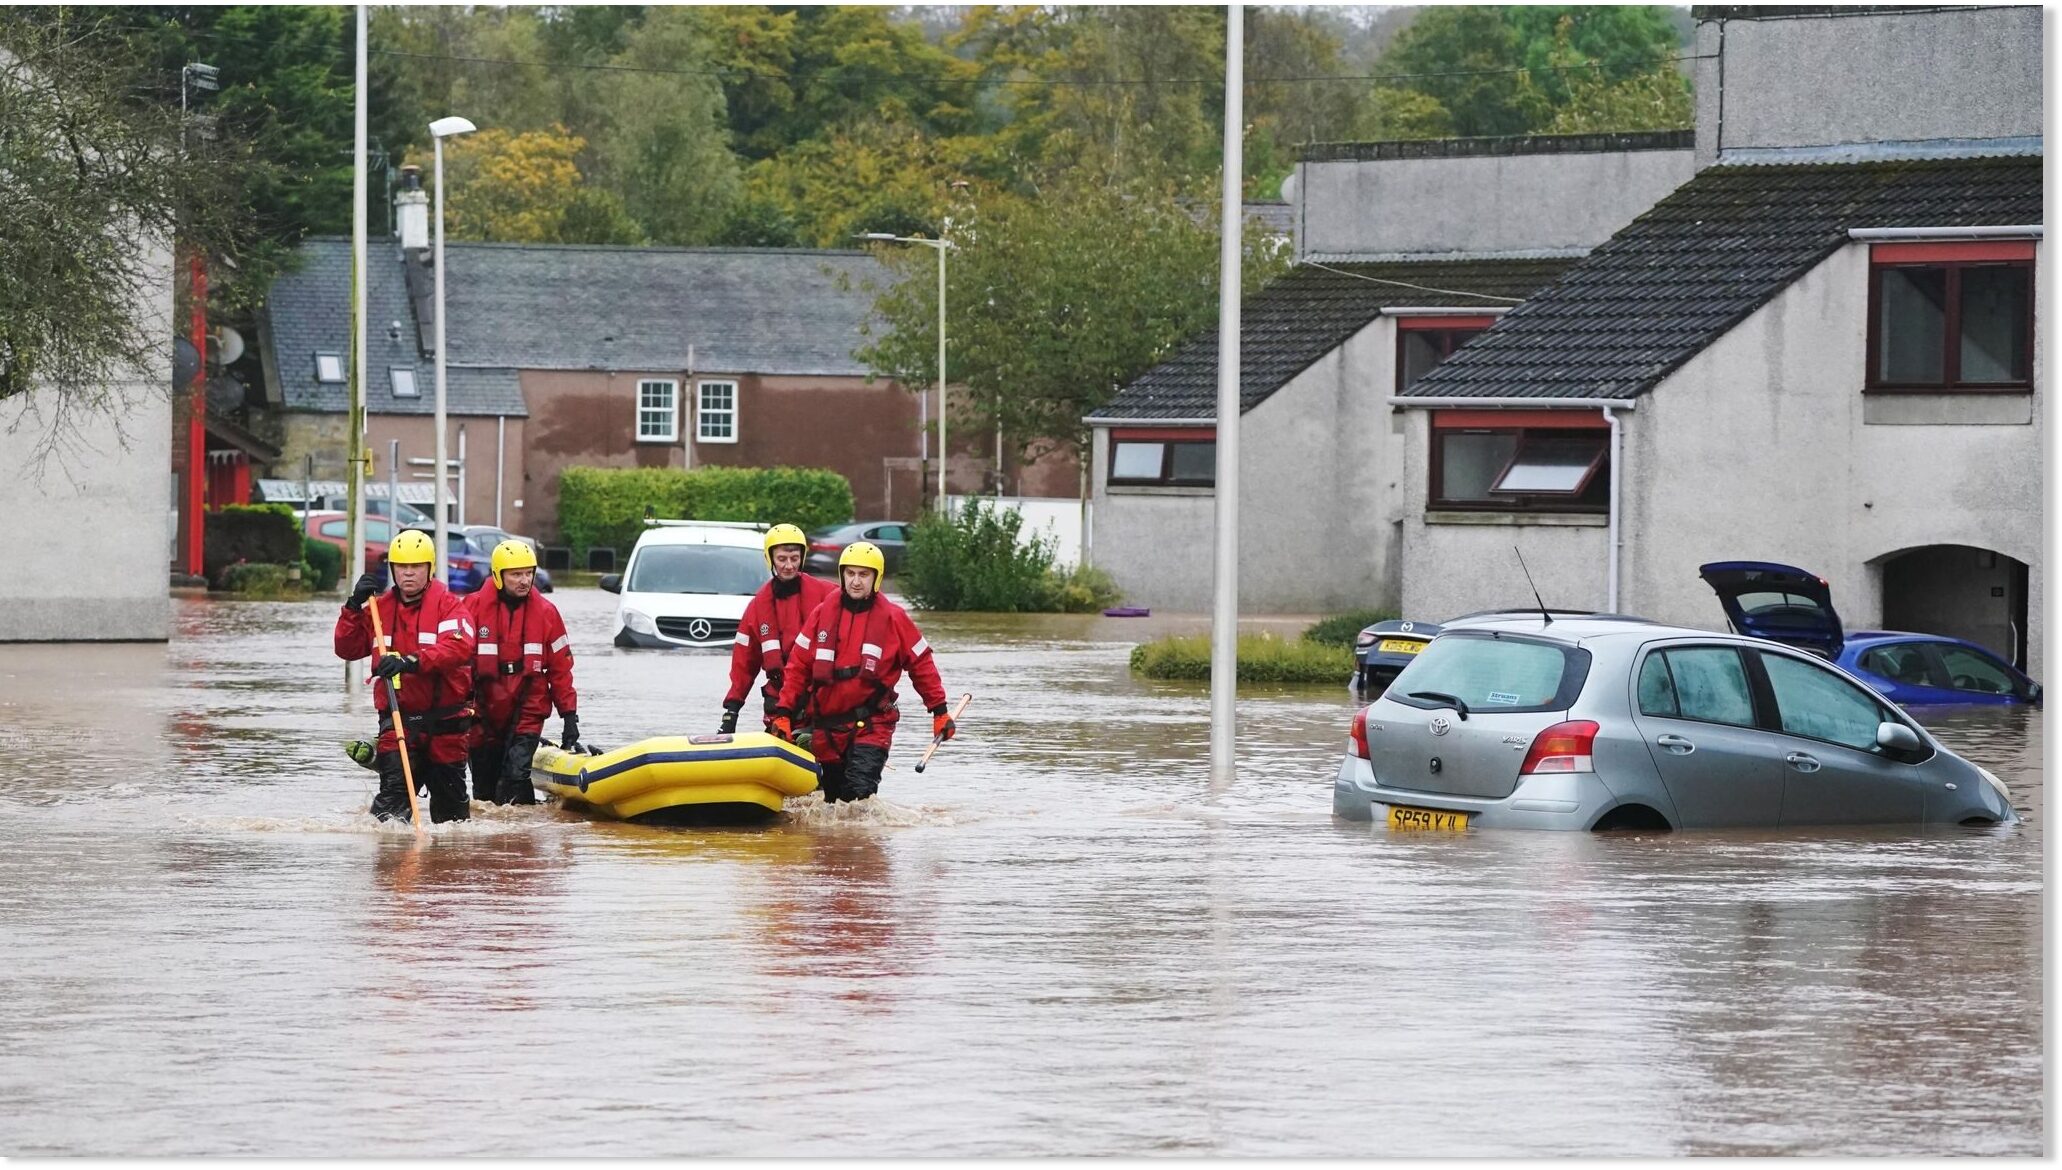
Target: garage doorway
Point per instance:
(1959, 591)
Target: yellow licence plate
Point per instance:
(1404, 817)
(1399, 646)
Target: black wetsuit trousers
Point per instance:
(501, 771)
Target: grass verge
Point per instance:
(1262, 658)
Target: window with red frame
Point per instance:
(1951, 316)
(1164, 457)
(1424, 342)
(1520, 461)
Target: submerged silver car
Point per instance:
(1602, 722)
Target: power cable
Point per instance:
(1450, 292)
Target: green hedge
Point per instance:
(600, 507)
(325, 563)
(1342, 629)
(1262, 658)
(254, 533)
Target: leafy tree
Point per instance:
(526, 188)
(665, 149)
(884, 177)
(1052, 301)
(1517, 70)
(99, 186)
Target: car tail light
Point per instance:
(824, 546)
(462, 564)
(1564, 747)
(1359, 733)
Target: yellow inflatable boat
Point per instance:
(679, 777)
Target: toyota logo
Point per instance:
(699, 629)
(1439, 725)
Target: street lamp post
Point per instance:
(441, 129)
(940, 246)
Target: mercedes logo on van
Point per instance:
(699, 629)
(1440, 726)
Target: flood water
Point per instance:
(1055, 941)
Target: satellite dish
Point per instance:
(228, 345)
(225, 394)
(185, 362)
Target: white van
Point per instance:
(687, 583)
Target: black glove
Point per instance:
(569, 738)
(729, 724)
(393, 664)
(361, 593)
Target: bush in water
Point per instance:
(325, 563)
(1262, 658)
(973, 560)
(265, 582)
(980, 560)
(1341, 629)
(603, 507)
(261, 533)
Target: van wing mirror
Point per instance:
(1898, 739)
(611, 582)
(2033, 693)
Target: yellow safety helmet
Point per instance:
(412, 548)
(866, 555)
(510, 554)
(781, 534)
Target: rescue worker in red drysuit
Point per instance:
(522, 669)
(856, 647)
(778, 612)
(428, 658)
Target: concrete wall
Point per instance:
(1317, 513)
(1884, 77)
(325, 437)
(88, 531)
(1508, 203)
(865, 432)
(1760, 448)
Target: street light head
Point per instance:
(876, 236)
(447, 127)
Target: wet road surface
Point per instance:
(1055, 941)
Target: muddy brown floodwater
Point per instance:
(1055, 941)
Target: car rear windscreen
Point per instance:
(697, 568)
(1494, 672)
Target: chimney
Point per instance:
(412, 210)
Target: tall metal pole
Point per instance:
(944, 456)
(356, 457)
(500, 445)
(1224, 623)
(393, 488)
(461, 477)
(443, 566)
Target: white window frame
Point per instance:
(394, 382)
(703, 415)
(335, 357)
(651, 413)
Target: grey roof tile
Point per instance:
(742, 310)
(1697, 263)
(309, 311)
(1310, 311)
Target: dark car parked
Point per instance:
(480, 539)
(825, 544)
(1385, 648)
